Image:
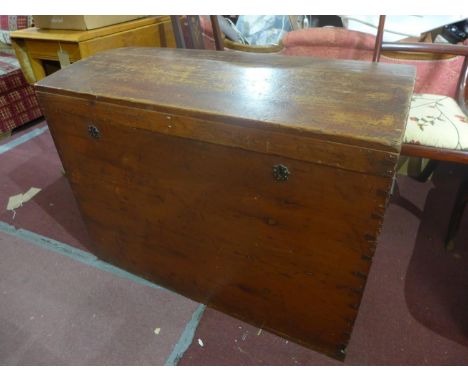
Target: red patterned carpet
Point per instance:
(414, 311)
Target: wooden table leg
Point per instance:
(38, 68)
(24, 60)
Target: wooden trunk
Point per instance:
(255, 184)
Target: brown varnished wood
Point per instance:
(274, 48)
(177, 29)
(423, 47)
(379, 39)
(184, 195)
(423, 56)
(434, 153)
(217, 35)
(209, 222)
(359, 159)
(300, 95)
(461, 86)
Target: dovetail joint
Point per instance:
(357, 290)
(370, 238)
(349, 321)
(360, 275)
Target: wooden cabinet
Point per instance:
(256, 184)
(38, 50)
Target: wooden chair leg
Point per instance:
(457, 214)
(427, 171)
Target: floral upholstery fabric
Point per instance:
(436, 121)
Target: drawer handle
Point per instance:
(280, 172)
(94, 132)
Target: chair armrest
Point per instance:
(459, 50)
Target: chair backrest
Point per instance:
(440, 76)
(333, 43)
(194, 33)
(436, 73)
(459, 156)
(419, 47)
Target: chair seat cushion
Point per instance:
(436, 121)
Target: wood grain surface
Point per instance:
(183, 195)
(359, 103)
(269, 141)
(78, 36)
(34, 45)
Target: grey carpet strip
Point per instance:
(22, 139)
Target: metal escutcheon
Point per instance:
(94, 132)
(280, 172)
